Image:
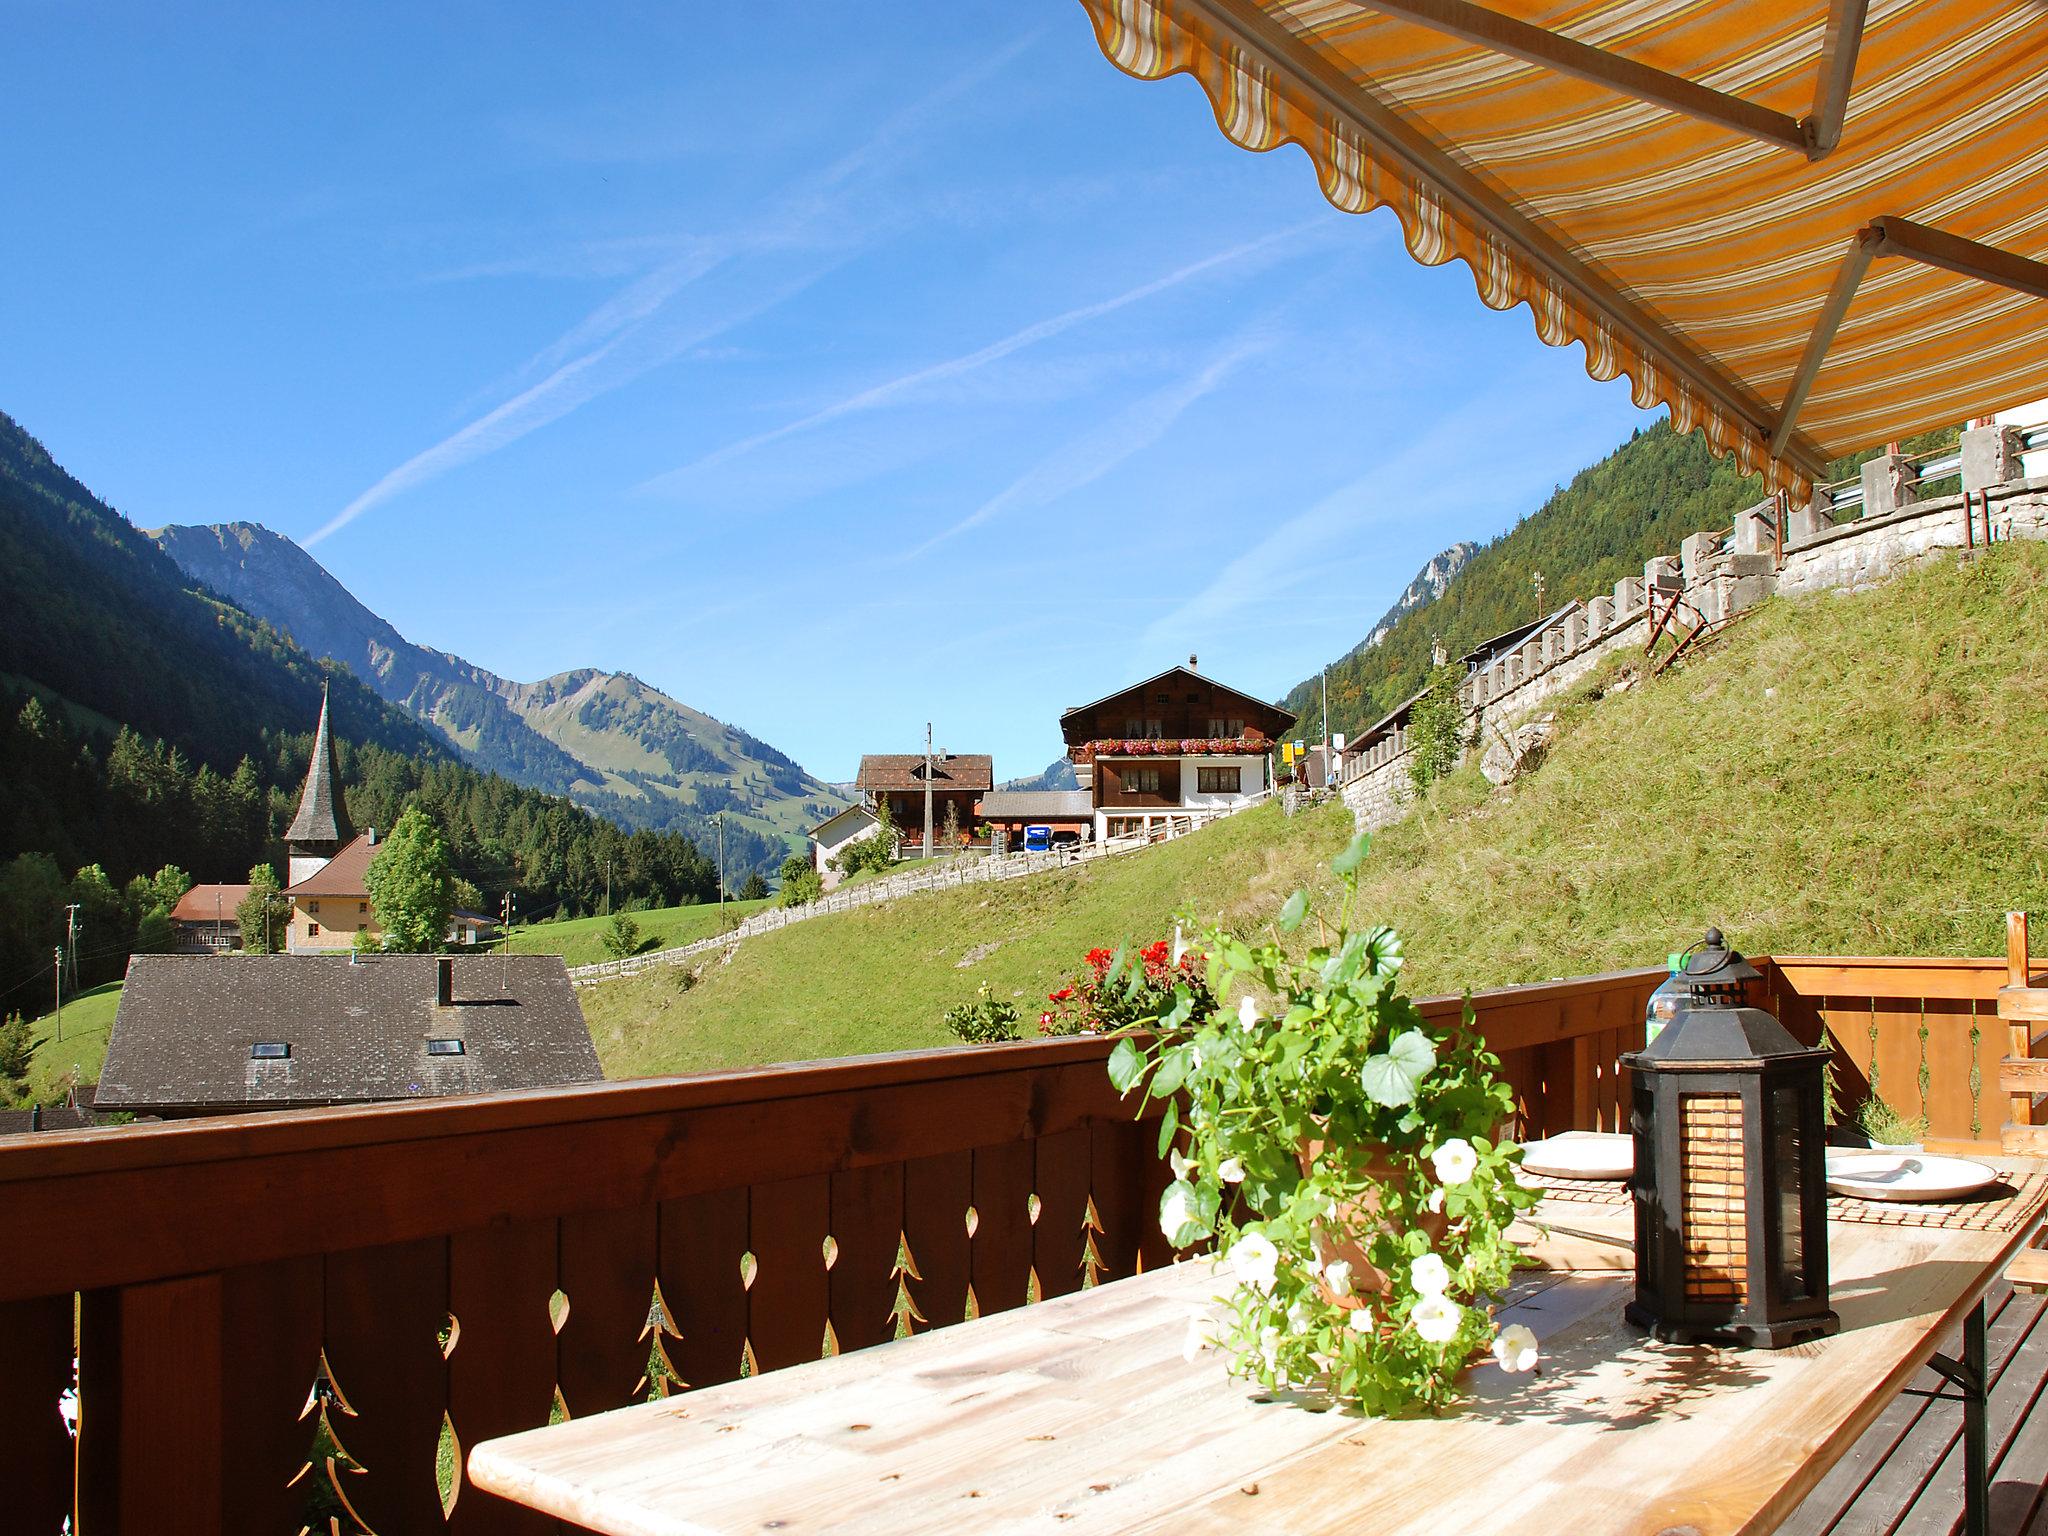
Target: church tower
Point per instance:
(321, 827)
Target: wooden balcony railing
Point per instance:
(466, 1264)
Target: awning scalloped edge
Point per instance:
(1144, 41)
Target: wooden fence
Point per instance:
(467, 1265)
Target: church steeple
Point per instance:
(321, 827)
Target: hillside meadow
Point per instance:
(580, 940)
(1848, 774)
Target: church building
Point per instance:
(327, 862)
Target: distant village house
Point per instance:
(958, 781)
(206, 921)
(1177, 746)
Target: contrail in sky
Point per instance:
(1087, 458)
(615, 333)
(882, 394)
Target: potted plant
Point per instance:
(1889, 1129)
(1343, 1153)
(1144, 988)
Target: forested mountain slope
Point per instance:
(1639, 501)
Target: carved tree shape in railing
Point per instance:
(386, 1312)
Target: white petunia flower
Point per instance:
(1298, 1319)
(1248, 1013)
(1361, 1320)
(1174, 1211)
(1201, 1335)
(1180, 945)
(1455, 1161)
(1180, 1164)
(1430, 1275)
(1337, 1276)
(1515, 1348)
(1230, 1171)
(1253, 1259)
(1435, 1202)
(1435, 1318)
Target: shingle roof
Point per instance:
(203, 903)
(357, 1031)
(1038, 805)
(322, 817)
(959, 770)
(346, 874)
(51, 1117)
(1273, 710)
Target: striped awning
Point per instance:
(1805, 227)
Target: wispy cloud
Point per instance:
(903, 385)
(1094, 453)
(631, 332)
(1435, 476)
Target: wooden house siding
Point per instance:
(1112, 779)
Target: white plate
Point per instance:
(1581, 1155)
(1879, 1175)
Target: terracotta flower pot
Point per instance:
(1367, 1281)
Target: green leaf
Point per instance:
(1173, 1070)
(1347, 862)
(1295, 910)
(1127, 1065)
(1168, 1124)
(1392, 1077)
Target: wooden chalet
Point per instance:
(958, 780)
(204, 921)
(1178, 745)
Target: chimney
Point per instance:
(444, 980)
(370, 836)
(1191, 661)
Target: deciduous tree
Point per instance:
(412, 885)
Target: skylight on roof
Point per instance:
(445, 1048)
(270, 1050)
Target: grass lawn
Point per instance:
(880, 978)
(580, 941)
(88, 1020)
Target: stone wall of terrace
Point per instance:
(1720, 573)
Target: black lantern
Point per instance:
(1730, 1180)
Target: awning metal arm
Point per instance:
(1894, 236)
(1838, 46)
(1522, 40)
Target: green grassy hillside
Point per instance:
(88, 1020)
(880, 978)
(580, 941)
(1851, 775)
(1846, 775)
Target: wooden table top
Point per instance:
(1080, 1415)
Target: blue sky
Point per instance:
(832, 368)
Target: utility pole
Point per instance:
(607, 887)
(1536, 577)
(927, 789)
(719, 822)
(60, 994)
(1329, 777)
(510, 905)
(71, 941)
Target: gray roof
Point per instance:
(322, 818)
(1038, 804)
(357, 1031)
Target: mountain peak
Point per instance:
(608, 740)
